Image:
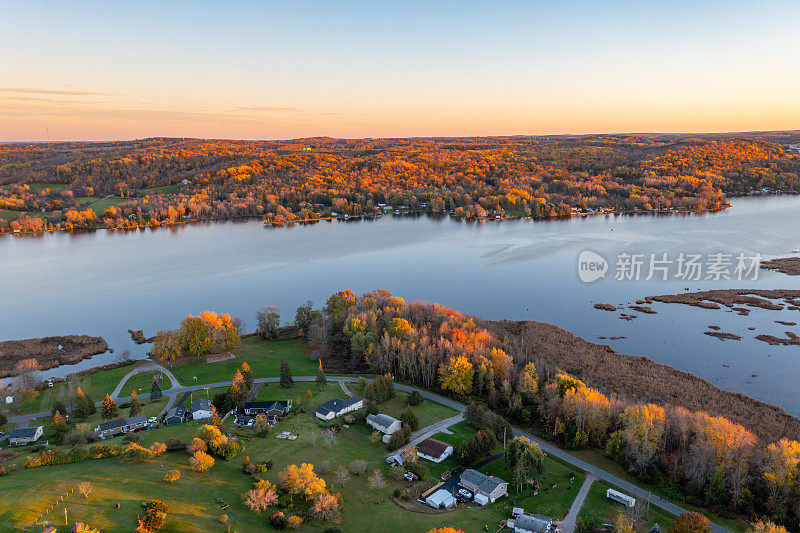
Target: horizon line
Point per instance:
(419, 137)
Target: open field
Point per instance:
(599, 506)
(130, 484)
(166, 189)
(95, 385)
(264, 359)
(143, 382)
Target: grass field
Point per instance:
(95, 385)
(599, 506)
(264, 358)
(599, 458)
(143, 382)
(39, 187)
(167, 189)
(193, 499)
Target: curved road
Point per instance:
(548, 448)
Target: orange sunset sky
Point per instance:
(251, 70)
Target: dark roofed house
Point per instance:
(200, 408)
(337, 407)
(270, 408)
(123, 425)
(22, 436)
(434, 450)
(533, 523)
(485, 488)
(176, 415)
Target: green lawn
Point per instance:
(101, 203)
(427, 412)
(598, 458)
(167, 189)
(143, 382)
(264, 358)
(7, 214)
(95, 385)
(39, 187)
(552, 502)
(601, 507)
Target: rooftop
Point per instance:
(432, 447)
(337, 404)
(485, 484)
(382, 419)
(24, 433)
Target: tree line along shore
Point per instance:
(152, 182)
(722, 451)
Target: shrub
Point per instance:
(201, 461)
(358, 466)
(421, 470)
(415, 398)
(133, 453)
(171, 476)
(154, 515)
(277, 520)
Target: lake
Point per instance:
(104, 283)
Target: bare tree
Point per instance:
(85, 488)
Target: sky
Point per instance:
(277, 70)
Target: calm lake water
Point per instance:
(104, 283)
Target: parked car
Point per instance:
(463, 495)
(411, 476)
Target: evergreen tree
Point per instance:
(82, 405)
(322, 380)
(155, 391)
(415, 398)
(286, 374)
(109, 408)
(409, 418)
(58, 406)
(59, 425)
(136, 405)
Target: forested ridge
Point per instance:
(162, 181)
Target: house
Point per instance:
(337, 407)
(485, 488)
(272, 409)
(176, 415)
(123, 425)
(22, 436)
(441, 499)
(384, 423)
(531, 523)
(200, 408)
(49, 529)
(434, 450)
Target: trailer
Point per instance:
(619, 497)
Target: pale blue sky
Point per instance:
(356, 69)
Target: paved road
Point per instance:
(428, 431)
(548, 448)
(571, 520)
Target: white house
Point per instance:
(485, 488)
(434, 450)
(21, 436)
(200, 408)
(337, 407)
(384, 423)
(441, 499)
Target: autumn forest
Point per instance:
(159, 181)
